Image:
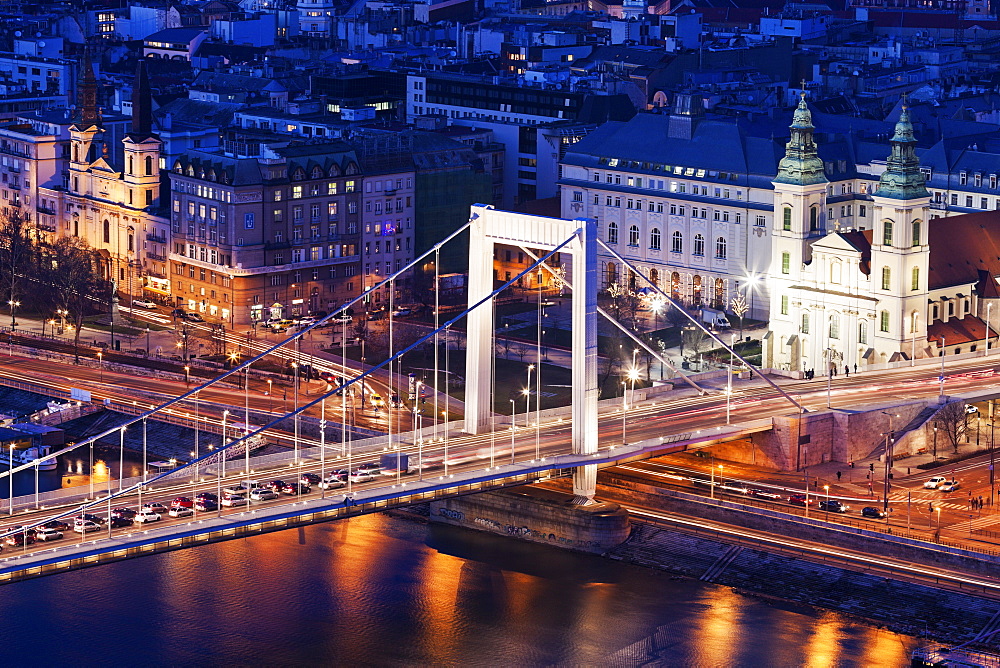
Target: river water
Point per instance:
(380, 590)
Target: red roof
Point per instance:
(964, 249)
(967, 330)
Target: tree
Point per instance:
(16, 256)
(952, 421)
(71, 270)
(693, 337)
(740, 308)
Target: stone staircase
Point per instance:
(917, 422)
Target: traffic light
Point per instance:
(871, 467)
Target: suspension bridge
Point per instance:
(485, 450)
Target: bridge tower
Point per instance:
(488, 228)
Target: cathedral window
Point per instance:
(612, 233)
(786, 261)
(884, 321)
(654, 239)
(786, 219)
(834, 326)
(677, 242)
(887, 233)
(720, 248)
(915, 279)
(886, 278)
(805, 323)
(813, 219)
(699, 245)
(863, 332)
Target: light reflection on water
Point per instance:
(378, 591)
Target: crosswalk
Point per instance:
(984, 518)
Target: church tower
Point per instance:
(86, 128)
(900, 252)
(142, 148)
(799, 219)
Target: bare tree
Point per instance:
(693, 338)
(16, 254)
(952, 421)
(520, 349)
(71, 271)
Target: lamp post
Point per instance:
(62, 313)
(13, 304)
(827, 488)
(225, 414)
(270, 396)
(187, 375)
(513, 426)
(889, 439)
(624, 409)
(934, 446)
(527, 395)
(829, 375)
(913, 341)
(100, 366)
(11, 478)
(91, 470)
(941, 375)
(986, 336)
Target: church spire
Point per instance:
(87, 113)
(142, 112)
(801, 164)
(902, 178)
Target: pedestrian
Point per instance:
(855, 368)
(980, 502)
(847, 371)
(838, 476)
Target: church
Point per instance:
(911, 286)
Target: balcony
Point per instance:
(277, 245)
(156, 256)
(156, 239)
(46, 210)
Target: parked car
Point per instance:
(332, 482)
(935, 482)
(155, 507)
(181, 502)
(309, 479)
(146, 515)
(85, 526)
(872, 511)
(295, 489)
(801, 500)
(143, 303)
(834, 506)
(180, 511)
(45, 534)
(969, 408)
(234, 500)
(949, 486)
(263, 494)
(193, 317)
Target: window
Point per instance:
(883, 324)
(786, 220)
(863, 332)
(786, 262)
(805, 323)
(677, 242)
(862, 210)
(699, 245)
(248, 221)
(612, 233)
(915, 279)
(760, 221)
(834, 326)
(296, 192)
(813, 218)
(784, 304)
(107, 232)
(916, 232)
(887, 233)
(886, 278)
(654, 239)
(633, 236)
(720, 248)
(835, 271)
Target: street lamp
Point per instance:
(513, 426)
(889, 439)
(100, 365)
(13, 303)
(62, 313)
(827, 488)
(527, 392)
(711, 491)
(11, 478)
(187, 375)
(986, 337)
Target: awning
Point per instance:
(156, 290)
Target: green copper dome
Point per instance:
(801, 164)
(902, 178)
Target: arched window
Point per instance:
(813, 218)
(107, 232)
(720, 248)
(835, 269)
(719, 300)
(131, 243)
(914, 322)
(699, 245)
(633, 236)
(786, 219)
(654, 239)
(786, 263)
(696, 290)
(805, 323)
(677, 242)
(915, 240)
(130, 170)
(612, 233)
(149, 165)
(612, 275)
(654, 277)
(887, 233)
(835, 326)
(915, 279)
(675, 285)
(863, 332)
(886, 278)
(883, 324)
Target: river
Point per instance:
(379, 590)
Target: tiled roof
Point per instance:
(955, 331)
(962, 247)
